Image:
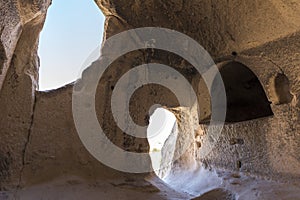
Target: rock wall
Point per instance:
(270, 144)
(38, 137)
(21, 23)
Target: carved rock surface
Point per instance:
(39, 144)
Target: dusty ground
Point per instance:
(218, 184)
(197, 184)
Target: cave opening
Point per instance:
(69, 42)
(246, 98)
(161, 125)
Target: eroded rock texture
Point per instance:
(21, 23)
(38, 139)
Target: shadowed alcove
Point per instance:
(246, 98)
(281, 90)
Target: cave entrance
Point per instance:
(246, 98)
(72, 31)
(162, 123)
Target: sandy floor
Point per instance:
(74, 188)
(197, 184)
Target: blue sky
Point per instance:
(73, 30)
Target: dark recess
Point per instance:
(282, 89)
(246, 98)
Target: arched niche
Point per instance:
(280, 89)
(246, 98)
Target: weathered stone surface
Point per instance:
(21, 23)
(219, 26)
(217, 194)
(38, 139)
